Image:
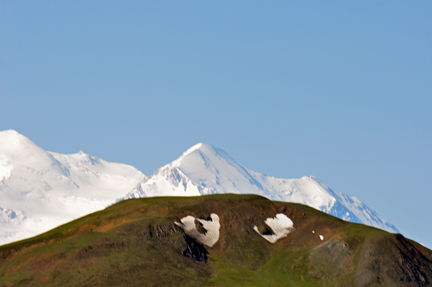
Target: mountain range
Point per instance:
(40, 190)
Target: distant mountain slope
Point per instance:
(204, 169)
(40, 190)
(214, 240)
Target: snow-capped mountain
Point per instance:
(40, 190)
(204, 169)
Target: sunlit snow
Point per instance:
(5, 167)
(281, 226)
(40, 190)
(212, 227)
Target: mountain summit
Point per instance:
(40, 190)
(204, 169)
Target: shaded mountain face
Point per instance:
(40, 190)
(204, 169)
(214, 240)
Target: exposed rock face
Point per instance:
(328, 260)
(394, 261)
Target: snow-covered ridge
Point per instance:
(40, 190)
(204, 169)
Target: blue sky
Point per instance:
(339, 90)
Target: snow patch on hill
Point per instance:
(210, 233)
(281, 226)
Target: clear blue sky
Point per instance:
(341, 90)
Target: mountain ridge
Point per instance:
(203, 169)
(43, 189)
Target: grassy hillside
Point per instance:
(136, 243)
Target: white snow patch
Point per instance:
(321, 237)
(281, 226)
(211, 226)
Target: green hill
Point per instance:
(137, 243)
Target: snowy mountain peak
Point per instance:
(13, 143)
(212, 169)
(204, 169)
(199, 154)
(18, 153)
(40, 189)
(11, 134)
(193, 148)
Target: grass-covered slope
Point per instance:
(136, 243)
